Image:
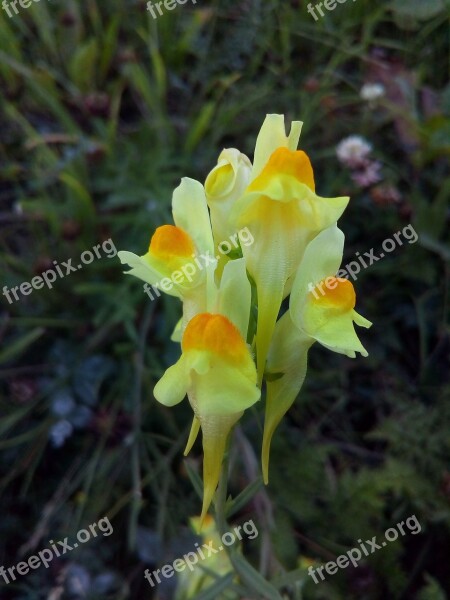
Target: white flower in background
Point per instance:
(372, 91)
(353, 151)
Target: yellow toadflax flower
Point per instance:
(284, 213)
(172, 260)
(296, 249)
(192, 582)
(217, 372)
(321, 309)
(322, 305)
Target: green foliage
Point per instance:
(432, 591)
(104, 109)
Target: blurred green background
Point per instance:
(103, 109)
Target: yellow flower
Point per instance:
(172, 260)
(283, 212)
(224, 185)
(231, 298)
(296, 249)
(321, 308)
(217, 372)
(192, 582)
(172, 247)
(322, 305)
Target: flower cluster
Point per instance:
(231, 333)
(354, 153)
(371, 92)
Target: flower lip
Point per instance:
(293, 163)
(338, 293)
(168, 241)
(215, 334)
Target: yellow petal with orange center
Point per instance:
(338, 293)
(169, 241)
(293, 163)
(216, 334)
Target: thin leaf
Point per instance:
(253, 579)
(19, 346)
(244, 497)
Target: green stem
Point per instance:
(252, 580)
(221, 493)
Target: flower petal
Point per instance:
(235, 294)
(231, 174)
(173, 385)
(322, 258)
(338, 334)
(322, 305)
(190, 212)
(224, 390)
(272, 135)
(361, 321)
(288, 164)
(145, 270)
(223, 374)
(177, 333)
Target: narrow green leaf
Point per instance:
(160, 72)
(222, 584)
(195, 478)
(200, 126)
(19, 346)
(253, 579)
(244, 497)
(86, 208)
(82, 65)
(109, 46)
